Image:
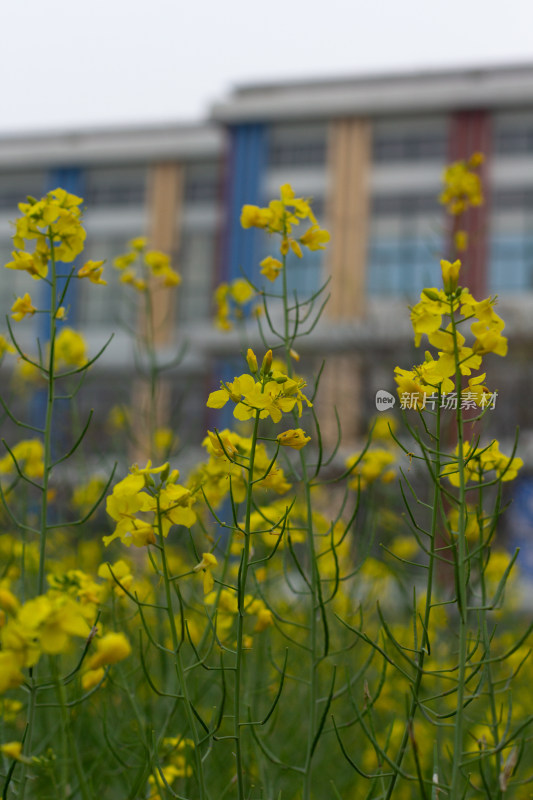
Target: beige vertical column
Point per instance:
(164, 208)
(165, 200)
(347, 212)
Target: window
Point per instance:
(16, 186)
(397, 140)
(303, 145)
(405, 245)
(409, 146)
(196, 266)
(115, 186)
(106, 307)
(202, 183)
(511, 261)
(404, 205)
(516, 199)
(514, 142)
(513, 134)
(511, 240)
(402, 265)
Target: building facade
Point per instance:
(370, 152)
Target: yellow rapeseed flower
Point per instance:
(70, 349)
(462, 187)
(315, 238)
(21, 307)
(12, 750)
(206, 565)
(93, 270)
(139, 243)
(110, 649)
(461, 241)
(10, 674)
(92, 678)
(29, 455)
(375, 465)
(5, 347)
(271, 268)
(241, 291)
(295, 438)
(163, 439)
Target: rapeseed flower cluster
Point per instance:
(226, 469)
(282, 217)
(376, 463)
(175, 756)
(478, 461)
(436, 374)
(268, 391)
(150, 263)
(53, 224)
(46, 625)
(70, 349)
(231, 299)
(141, 507)
(462, 187)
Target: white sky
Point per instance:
(79, 63)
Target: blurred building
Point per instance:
(370, 151)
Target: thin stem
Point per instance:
(482, 554)
(178, 660)
(67, 733)
(315, 578)
(47, 460)
(241, 588)
(461, 578)
(425, 644)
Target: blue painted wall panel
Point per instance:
(248, 160)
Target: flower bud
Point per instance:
(267, 363)
(450, 275)
(251, 360)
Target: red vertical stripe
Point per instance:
(470, 133)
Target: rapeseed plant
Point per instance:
(256, 640)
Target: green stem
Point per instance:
(461, 585)
(313, 677)
(149, 344)
(241, 588)
(425, 643)
(47, 460)
(178, 661)
(315, 577)
(486, 646)
(48, 423)
(67, 733)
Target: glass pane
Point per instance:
(197, 268)
(110, 306)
